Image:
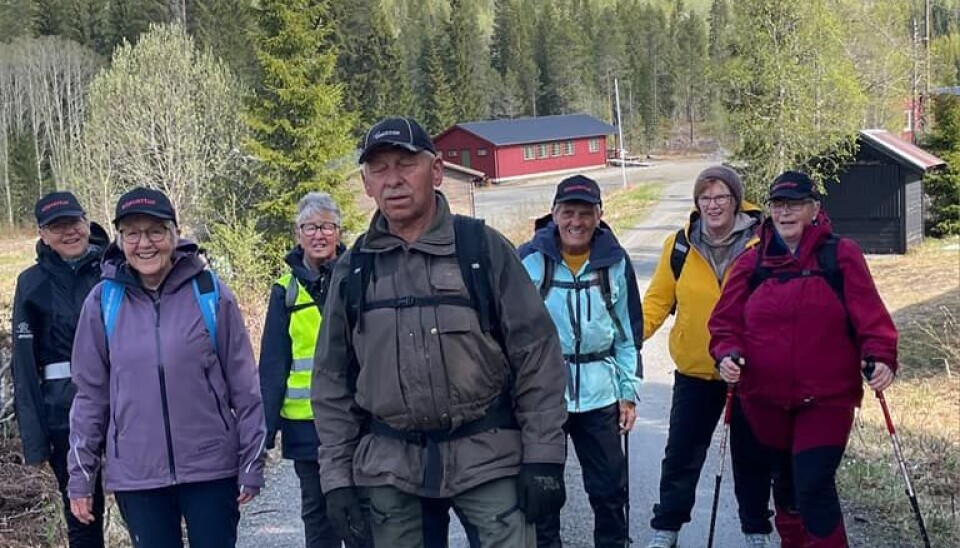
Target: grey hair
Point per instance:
(315, 202)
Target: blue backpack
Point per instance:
(205, 289)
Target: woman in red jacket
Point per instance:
(802, 311)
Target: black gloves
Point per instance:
(348, 518)
(540, 490)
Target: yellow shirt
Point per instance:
(575, 262)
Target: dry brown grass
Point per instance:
(922, 291)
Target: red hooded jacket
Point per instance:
(794, 335)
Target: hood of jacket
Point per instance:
(295, 260)
(50, 260)
(775, 251)
(186, 260)
(605, 249)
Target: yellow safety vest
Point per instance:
(304, 327)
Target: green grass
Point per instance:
(623, 209)
(921, 291)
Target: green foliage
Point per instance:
(790, 91)
(943, 187)
(238, 253)
(439, 103)
(370, 63)
(16, 19)
(226, 27)
(164, 115)
(468, 60)
(299, 133)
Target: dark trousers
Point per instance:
(317, 529)
(210, 509)
(80, 535)
(806, 445)
(436, 524)
(596, 440)
(696, 407)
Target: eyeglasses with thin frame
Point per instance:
(720, 200)
(63, 225)
(155, 234)
(327, 228)
(787, 205)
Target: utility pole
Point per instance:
(621, 150)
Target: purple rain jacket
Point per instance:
(158, 408)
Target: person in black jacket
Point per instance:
(294, 314)
(46, 307)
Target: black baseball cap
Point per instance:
(578, 189)
(403, 133)
(56, 205)
(793, 185)
(145, 201)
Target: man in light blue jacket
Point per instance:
(589, 287)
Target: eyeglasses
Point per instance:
(155, 234)
(720, 200)
(787, 205)
(61, 226)
(327, 229)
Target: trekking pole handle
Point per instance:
(869, 369)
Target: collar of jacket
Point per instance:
(437, 239)
(49, 259)
(605, 250)
(186, 259)
(775, 251)
(295, 260)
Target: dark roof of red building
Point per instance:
(536, 130)
(898, 149)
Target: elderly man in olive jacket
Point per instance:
(419, 391)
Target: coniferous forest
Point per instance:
(248, 102)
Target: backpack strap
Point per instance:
(549, 268)
(292, 293)
(207, 292)
(604, 275)
(470, 242)
(111, 297)
(827, 259)
(361, 265)
(678, 256)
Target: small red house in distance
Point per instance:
(525, 147)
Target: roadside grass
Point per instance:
(922, 291)
(622, 210)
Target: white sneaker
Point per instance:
(663, 539)
(756, 540)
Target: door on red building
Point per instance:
(465, 158)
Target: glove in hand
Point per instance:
(540, 490)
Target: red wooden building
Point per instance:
(525, 147)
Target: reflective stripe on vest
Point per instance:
(303, 329)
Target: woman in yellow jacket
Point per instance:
(692, 269)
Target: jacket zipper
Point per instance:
(206, 375)
(163, 394)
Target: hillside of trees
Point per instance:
(234, 107)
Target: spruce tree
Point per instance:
(299, 132)
(439, 103)
(468, 57)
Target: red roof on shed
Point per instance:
(902, 150)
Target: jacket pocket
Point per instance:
(57, 397)
(216, 399)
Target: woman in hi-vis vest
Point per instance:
(286, 354)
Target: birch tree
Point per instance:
(166, 116)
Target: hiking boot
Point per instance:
(663, 539)
(756, 540)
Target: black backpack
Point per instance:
(602, 279)
(826, 260)
(470, 241)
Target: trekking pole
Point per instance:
(727, 412)
(626, 460)
(895, 441)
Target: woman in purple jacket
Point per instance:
(168, 400)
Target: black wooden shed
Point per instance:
(879, 198)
